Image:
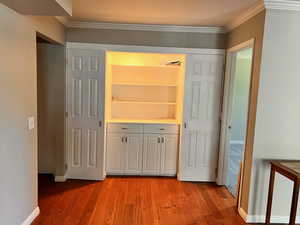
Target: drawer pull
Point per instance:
(158, 140)
(162, 140)
(124, 128)
(162, 128)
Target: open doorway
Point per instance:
(235, 114)
(50, 107)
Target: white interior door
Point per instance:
(200, 134)
(85, 102)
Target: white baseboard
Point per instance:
(242, 213)
(261, 218)
(60, 178)
(32, 216)
(274, 219)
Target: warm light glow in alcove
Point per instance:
(141, 87)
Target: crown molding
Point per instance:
(283, 4)
(144, 27)
(248, 14)
(63, 20)
(260, 6)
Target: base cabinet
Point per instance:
(152, 154)
(114, 154)
(124, 154)
(169, 155)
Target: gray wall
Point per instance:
(278, 110)
(51, 92)
(147, 38)
(252, 28)
(18, 98)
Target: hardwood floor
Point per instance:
(134, 201)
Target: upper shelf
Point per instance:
(147, 66)
(145, 75)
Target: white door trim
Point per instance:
(147, 49)
(226, 107)
(150, 49)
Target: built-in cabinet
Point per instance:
(124, 153)
(161, 112)
(160, 154)
(143, 149)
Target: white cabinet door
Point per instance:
(169, 151)
(85, 106)
(151, 154)
(115, 154)
(199, 144)
(133, 154)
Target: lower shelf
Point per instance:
(147, 121)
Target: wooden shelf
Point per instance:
(152, 121)
(174, 66)
(142, 102)
(144, 84)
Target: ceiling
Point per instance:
(163, 12)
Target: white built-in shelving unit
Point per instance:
(143, 88)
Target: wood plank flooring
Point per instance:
(134, 201)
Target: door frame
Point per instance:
(226, 107)
(144, 49)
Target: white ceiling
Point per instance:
(167, 12)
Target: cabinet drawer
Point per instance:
(161, 129)
(124, 128)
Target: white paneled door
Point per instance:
(85, 107)
(200, 133)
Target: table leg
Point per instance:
(294, 202)
(270, 196)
